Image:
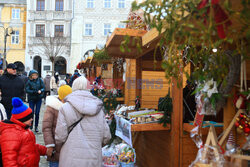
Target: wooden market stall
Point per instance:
(154, 144)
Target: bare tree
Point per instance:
(53, 47)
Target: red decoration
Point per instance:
(240, 101)
(219, 15)
(247, 130)
(242, 123)
(237, 124)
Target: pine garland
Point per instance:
(166, 106)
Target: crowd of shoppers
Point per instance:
(74, 127)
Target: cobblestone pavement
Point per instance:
(39, 137)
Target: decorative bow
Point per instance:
(220, 16)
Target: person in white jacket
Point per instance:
(54, 81)
(3, 114)
(83, 145)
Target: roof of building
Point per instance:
(13, 2)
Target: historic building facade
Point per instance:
(93, 21)
(13, 26)
(48, 20)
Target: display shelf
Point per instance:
(149, 127)
(204, 131)
(243, 157)
(120, 99)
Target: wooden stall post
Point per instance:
(176, 124)
(138, 77)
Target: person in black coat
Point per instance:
(11, 86)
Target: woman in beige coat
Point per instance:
(83, 145)
(53, 104)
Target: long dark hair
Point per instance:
(57, 78)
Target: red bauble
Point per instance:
(237, 124)
(242, 115)
(247, 130)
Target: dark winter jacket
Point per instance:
(76, 75)
(11, 86)
(18, 145)
(33, 86)
(24, 78)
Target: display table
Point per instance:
(204, 131)
(149, 127)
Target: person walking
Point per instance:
(25, 80)
(46, 82)
(82, 144)
(54, 81)
(53, 104)
(74, 76)
(18, 143)
(35, 90)
(11, 86)
(67, 79)
(3, 114)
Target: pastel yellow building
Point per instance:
(13, 17)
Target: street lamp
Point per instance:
(6, 34)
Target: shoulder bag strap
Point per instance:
(71, 127)
(1, 115)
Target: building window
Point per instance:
(107, 3)
(121, 3)
(40, 5)
(15, 37)
(88, 29)
(40, 30)
(59, 5)
(121, 25)
(59, 30)
(90, 3)
(107, 29)
(15, 13)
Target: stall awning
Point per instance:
(118, 36)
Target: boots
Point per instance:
(36, 130)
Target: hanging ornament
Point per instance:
(242, 124)
(230, 142)
(240, 101)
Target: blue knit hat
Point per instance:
(20, 110)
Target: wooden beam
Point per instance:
(223, 138)
(149, 127)
(176, 124)
(138, 77)
(229, 113)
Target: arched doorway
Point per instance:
(37, 64)
(60, 65)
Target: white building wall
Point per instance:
(98, 16)
(49, 17)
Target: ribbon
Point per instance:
(219, 15)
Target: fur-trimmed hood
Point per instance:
(54, 102)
